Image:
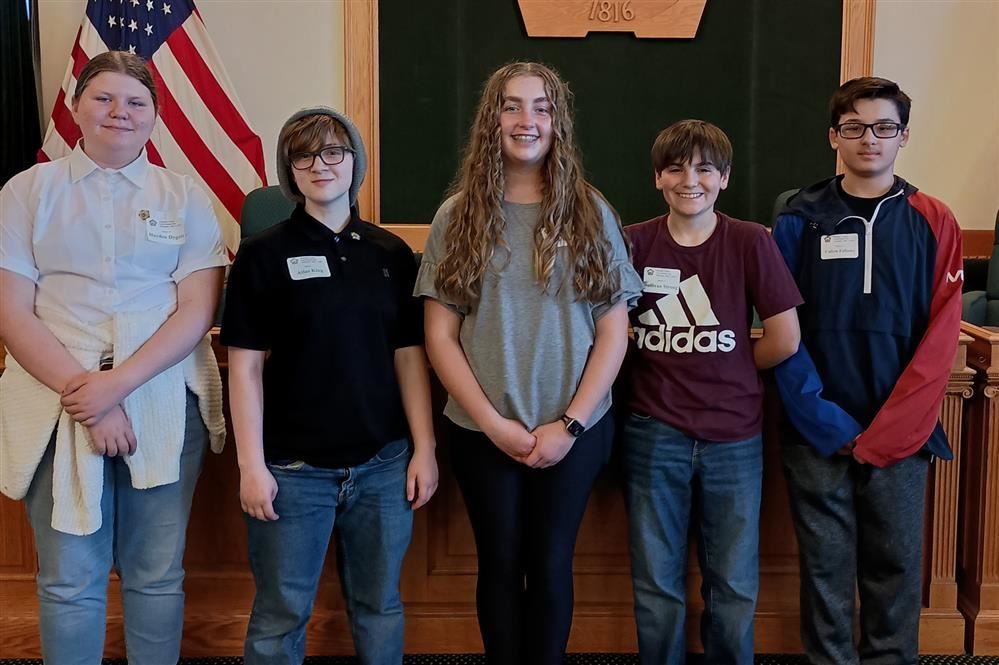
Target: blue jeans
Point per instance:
(373, 520)
(142, 535)
(667, 476)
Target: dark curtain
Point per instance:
(20, 132)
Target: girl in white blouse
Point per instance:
(108, 262)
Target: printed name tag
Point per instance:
(662, 280)
(840, 246)
(163, 227)
(307, 267)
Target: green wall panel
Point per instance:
(763, 70)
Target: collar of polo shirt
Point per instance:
(316, 230)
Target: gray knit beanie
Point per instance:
(285, 178)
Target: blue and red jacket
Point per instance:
(880, 322)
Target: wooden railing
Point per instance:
(961, 591)
(978, 548)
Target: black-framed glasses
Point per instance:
(882, 130)
(331, 157)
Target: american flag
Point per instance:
(201, 130)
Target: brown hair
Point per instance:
(121, 62)
(569, 207)
(307, 135)
(867, 87)
(677, 143)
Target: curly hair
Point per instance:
(570, 210)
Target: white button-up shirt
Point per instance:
(100, 241)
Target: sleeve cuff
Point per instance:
(186, 271)
(629, 289)
(21, 268)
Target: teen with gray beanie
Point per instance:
(322, 328)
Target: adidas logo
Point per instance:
(659, 335)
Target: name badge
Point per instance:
(840, 246)
(163, 227)
(308, 267)
(662, 280)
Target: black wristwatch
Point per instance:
(573, 426)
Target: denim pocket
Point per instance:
(392, 451)
(286, 465)
(641, 417)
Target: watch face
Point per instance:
(574, 427)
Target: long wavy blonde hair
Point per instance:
(569, 208)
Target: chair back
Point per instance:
(262, 209)
(992, 283)
(780, 202)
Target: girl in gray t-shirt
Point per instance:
(528, 283)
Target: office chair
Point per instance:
(982, 307)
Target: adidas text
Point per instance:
(685, 341)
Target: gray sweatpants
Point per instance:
(859, 528)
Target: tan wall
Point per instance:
(945, 55)
(249, 36)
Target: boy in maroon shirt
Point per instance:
(693, 442)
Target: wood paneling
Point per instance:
(857, 57)
(644, 18)
(857, 54)
(439, 574)
(977, 243)
(978, 550)
(361, 55)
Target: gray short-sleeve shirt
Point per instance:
(526, 346)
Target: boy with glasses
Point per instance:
(879, 266)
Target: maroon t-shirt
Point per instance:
(693, 368)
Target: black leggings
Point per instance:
(525, 523)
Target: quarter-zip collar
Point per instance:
(826, 210)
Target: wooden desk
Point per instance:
(978, 549)
(438, 584)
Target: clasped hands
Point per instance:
(540, 448)
(850, 450)
(93, 399)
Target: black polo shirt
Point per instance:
(331, 308)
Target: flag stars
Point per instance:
(135, 3)
(149, 30)
(132, 25)
(166, 9)
(112, 21)
(149, 5)
(131, 49)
